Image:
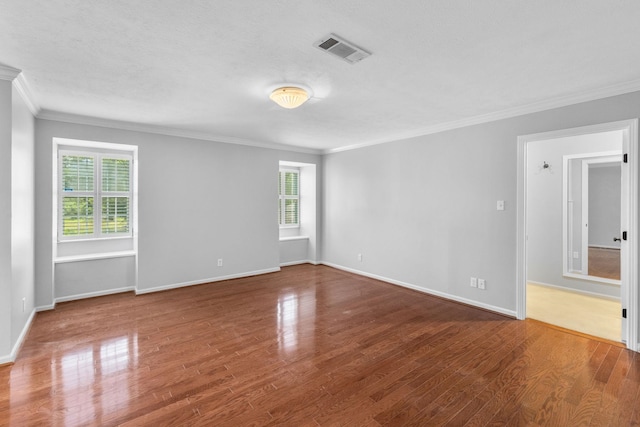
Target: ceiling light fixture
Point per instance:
(289, 96)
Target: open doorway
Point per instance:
(560, 242)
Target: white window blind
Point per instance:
(289, 197)
(95, 195)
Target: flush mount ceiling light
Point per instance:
(289, 96)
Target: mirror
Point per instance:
(591, 216)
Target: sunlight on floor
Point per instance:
(570, 310)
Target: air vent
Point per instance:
(342, 49)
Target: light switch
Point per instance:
(500, 205)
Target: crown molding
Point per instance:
(8, 73)
(24, 89)
(547, 104)
(167, 131)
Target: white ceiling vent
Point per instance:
(341, 48)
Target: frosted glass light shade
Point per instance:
(289, 97)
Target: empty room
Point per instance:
(311, 213)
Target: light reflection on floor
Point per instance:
(295, 314)
(105, 366)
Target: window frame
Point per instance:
(97, 193)
(282, 198)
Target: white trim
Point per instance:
(613, 248)
(46, 307)
(535, 107)
(24, 89)
(167, 131)
(575, 291)
(91, 257)
(444, 295)
(204, 281)
(633, 158)
(11, 357)
(304, 261)
(94, 294)
(603, 280)
(584, 226)
(8, 73)
(567, 213)
(521, 235)
(629, 295)
(289, 238)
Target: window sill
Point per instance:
(95, 239)
(91, 257)
(289, 238)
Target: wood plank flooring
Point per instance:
(588, 314)
(309, 346)
(604, 262)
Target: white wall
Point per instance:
(16, 220)
(422, 211)
(198, 201)
(6, 298)
(23, 212)
(294, 251)
(544, 208)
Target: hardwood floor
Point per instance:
(309, 346)
(588, 314)
(604, 262)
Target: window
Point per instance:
(289, 197)
(95, 195)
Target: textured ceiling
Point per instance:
(206, 67)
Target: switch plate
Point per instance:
(474, 282)
(219, 262)
(500, 205)
(360, 257)
(481, 284)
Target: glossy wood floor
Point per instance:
(309, 346)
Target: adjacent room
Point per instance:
(305, 213)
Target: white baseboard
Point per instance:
(500, 310)
(203, 281)
(94, 294)
(605, 247)
(575, 291)
(46, 307)
(10, 358)
(304, 261)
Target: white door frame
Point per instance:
(629, 295)
(590, 160)
(567, 213)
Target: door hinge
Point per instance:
(624, 313)
(624, 235)
(625, 158)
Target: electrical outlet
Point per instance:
(481, 284)
(360, 257)
(500, 205)
(219, 262)
(24, 303)
(474, 282)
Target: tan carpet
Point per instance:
(589, 315)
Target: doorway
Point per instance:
(546, 208)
